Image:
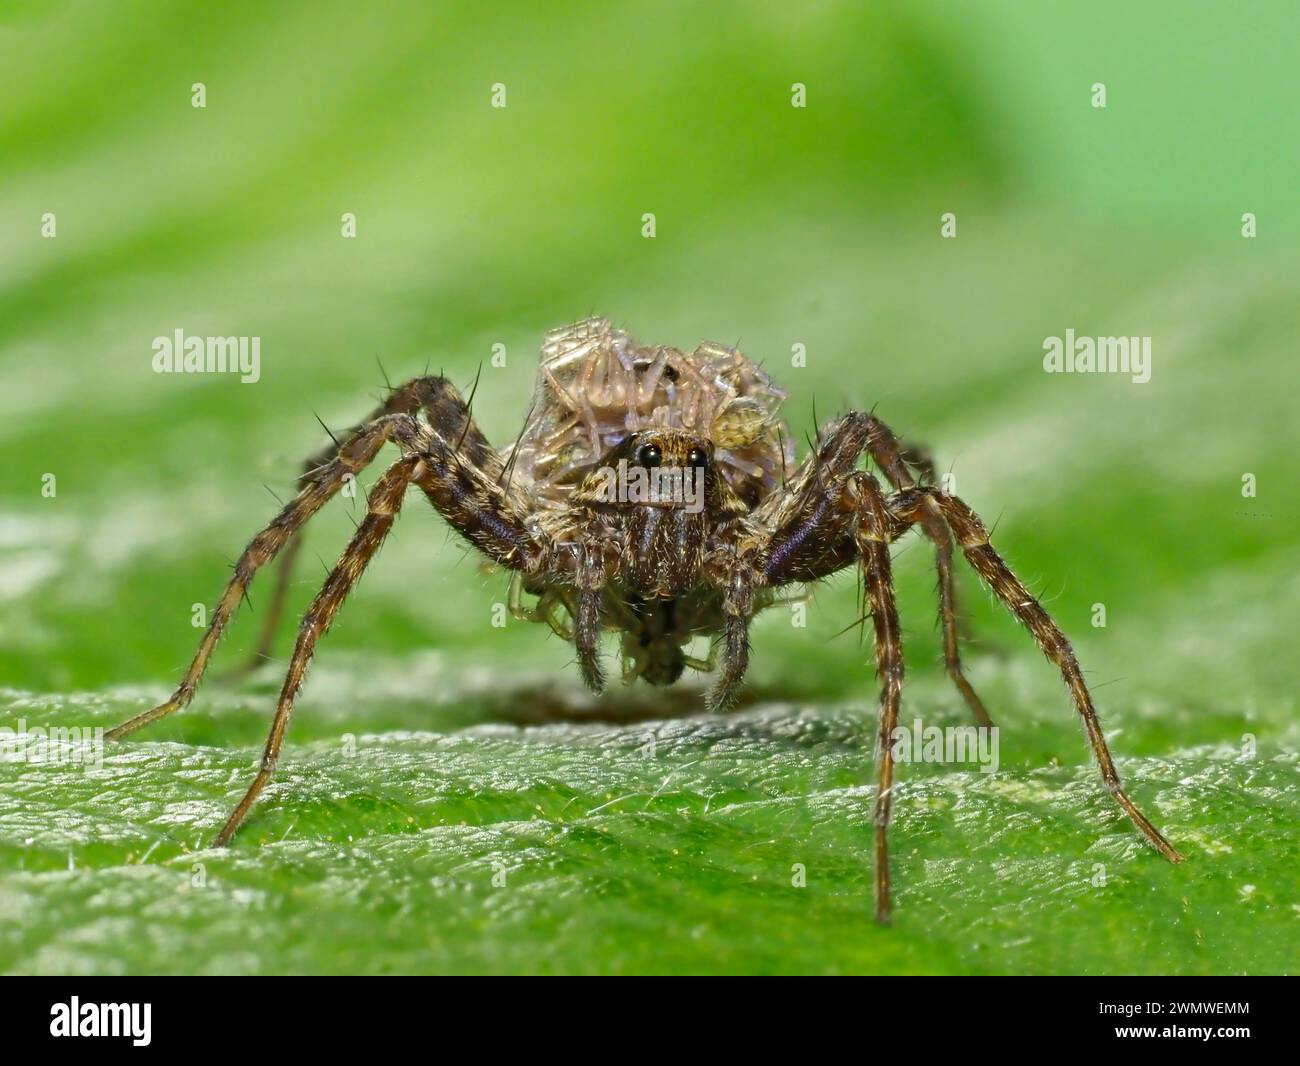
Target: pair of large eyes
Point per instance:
(651, 455)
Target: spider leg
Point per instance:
(354, 455)
(550, 607)
(265, 641)
(737, 610)
(974, 541)
(587, 624)
(893, 458)
(921, 459)
(490, 516)
(384, 504)
(874, 531)
(447, 414)
(462, 491)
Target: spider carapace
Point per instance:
(652, 492)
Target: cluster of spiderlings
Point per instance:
(596, 385)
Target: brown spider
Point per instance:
(573, 511)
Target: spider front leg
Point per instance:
(974, 541)
(805, 545)
(590, 580)
(893, 458)
(446, 413)
(874, 530)
(353, 456)
(384, 503)
(829, 522)
(475, 506)
(737, 610)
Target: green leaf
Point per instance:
(449, 799)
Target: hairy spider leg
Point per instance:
(737, 610)
(805, 540)
(463, 493)
(446, 412)
(356, 453)
(586, 623)
(873, 534)
(888, 452)
(385, 502)
(984, 559)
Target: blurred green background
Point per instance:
(448, 799)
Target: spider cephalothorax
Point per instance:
(654, 509)
(652, 493)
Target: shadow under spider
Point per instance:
(546, 704)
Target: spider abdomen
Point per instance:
(597, 385)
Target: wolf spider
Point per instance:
(655, 569)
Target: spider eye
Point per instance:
(698, 458)
(649, 455)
